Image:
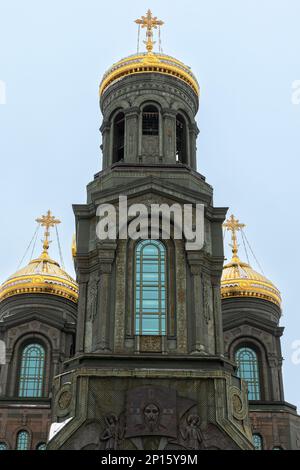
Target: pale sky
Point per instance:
(246, 57)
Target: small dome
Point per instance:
(149, 62)
(240, 280)
(41, 276)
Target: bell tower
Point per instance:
(149, 364)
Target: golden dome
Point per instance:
(240, 280)
(42, 275)
(149, 62)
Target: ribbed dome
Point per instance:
(240, 280)
(41, 276)
(149, 63)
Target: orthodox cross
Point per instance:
(47, 221)
(233, 225)
(150, 22)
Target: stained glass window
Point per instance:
(257, 441)
(248, 369)
(23, 440)
(150, 288)
(41, 446)
(32, 371)
(3, 446)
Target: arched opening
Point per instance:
(3, 446)
(150, 288)
(248, 370)
(22, 440)
(257, 442)
(41, 446)
(150, 120)
(181, 139)
(119, 137)
(32, 371)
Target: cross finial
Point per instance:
(150, 22)
(233, 225)
(47, 221)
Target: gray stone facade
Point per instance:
(118, 379)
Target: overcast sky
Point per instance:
(246, 58)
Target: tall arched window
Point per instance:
(150, 288)
(181, 139)
(257, 442)
(118, 137)
(32, 371)
(150, 120)
(3, 446)
(248, 369)
(22, 440)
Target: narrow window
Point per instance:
(150, 121)
(150, 288)
(3, 446)
(31, 379)
(119, 137)
(22, 440)
(248, 370)
(181, 139)
(257, 442)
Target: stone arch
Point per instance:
(171, 286)
(114, 106)
(18, 430)
(262, 357)
(14, 369)
(154, 98)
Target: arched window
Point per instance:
(3, 446)
(150, 288)
(248, 369)
(41, 446)
(119, 137)
(150, 120)
(181, 139)
(32, 369)
(22, 440)
(257, 442)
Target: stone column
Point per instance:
(193, 132)
(105, 130)
(103, 320)
(81, 313)
(169, 136)
(197, 322)
(219, 338)
(131, 135)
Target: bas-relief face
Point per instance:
(151, 415)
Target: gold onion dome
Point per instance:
(42, 275)
(149, 62)
(240, 280)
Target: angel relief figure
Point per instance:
(191, 432)
(113, 433)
